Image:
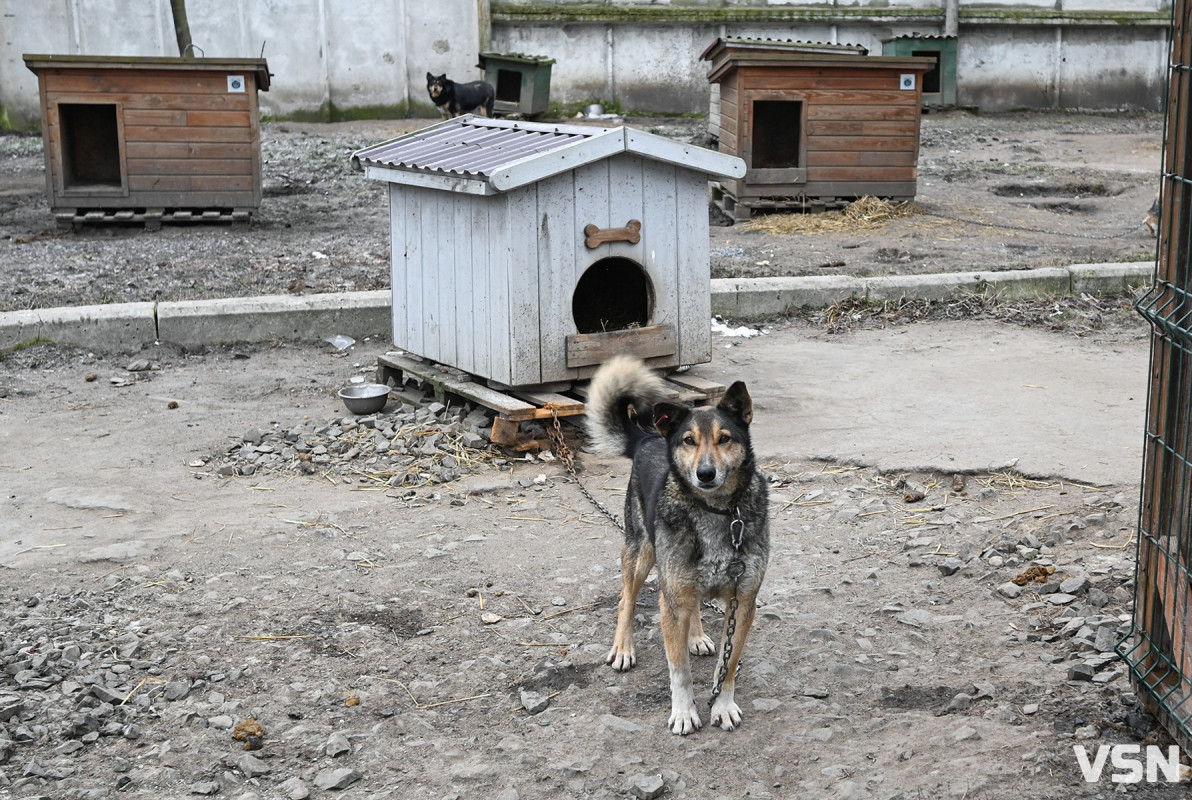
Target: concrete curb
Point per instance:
(202, 323)
(745, 298)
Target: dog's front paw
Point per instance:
(685, 720)
(726, 714)
(702, 646)
(621, 660)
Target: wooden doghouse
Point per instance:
(150, 139)
(816, 128)
(526, 253)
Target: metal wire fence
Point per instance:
(1158, 649)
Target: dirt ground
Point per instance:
(150, 605)
(995, 193)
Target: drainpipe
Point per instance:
(951, 17)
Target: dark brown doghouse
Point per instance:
(816, 127)
(147, 139)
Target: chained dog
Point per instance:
(697, 507)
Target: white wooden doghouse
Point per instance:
(527, 253)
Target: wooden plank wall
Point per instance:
(187, 141)
(673, 252)
(862, 131)
(451, 278)
(486, 284)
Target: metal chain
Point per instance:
(737, 532)
(555, 432)
(1026, 229)
(730, 628)
(736, 529)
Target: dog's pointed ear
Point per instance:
(667, 416)
(429, 77)
(737, 403)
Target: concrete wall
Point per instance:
(350, 54)
(370, 57)
(1006, 60)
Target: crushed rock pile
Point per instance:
(408, 447)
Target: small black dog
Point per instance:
(454, 98)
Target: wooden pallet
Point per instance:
(151, 218)
(514, 405)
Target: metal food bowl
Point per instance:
(365, 398)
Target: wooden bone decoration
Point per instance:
(631, 233)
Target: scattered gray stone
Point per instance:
(106, 694)
(251, 766)
(534, 702)
(1074, 585)
(1081, 672)
(176, 690)
(1009, 590)
(337, 745)
(205, 788)
(965, 733)
(949, 566)
(960, 702)
(621, 724)
(340, 778)
(294, 789)
(647, 787)
(1060, 598)
(1106, 639)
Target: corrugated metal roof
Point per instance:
(919, 36)
(473, 147)
(485, 156)
(781, 45)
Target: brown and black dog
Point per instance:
(453, 99)
(698, 507)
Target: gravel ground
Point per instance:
(995, 192)
(179, 569)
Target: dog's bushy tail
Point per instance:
(620, 384)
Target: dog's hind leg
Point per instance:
(677, 615)
(726, 713)
(635, 566)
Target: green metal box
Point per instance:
(939, 84)
(522, 82)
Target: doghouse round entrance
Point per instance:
(613, 294)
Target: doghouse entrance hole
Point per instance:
(931, 78)
(509, 85)
(90, 145)
(612, 295)
(777, 133)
